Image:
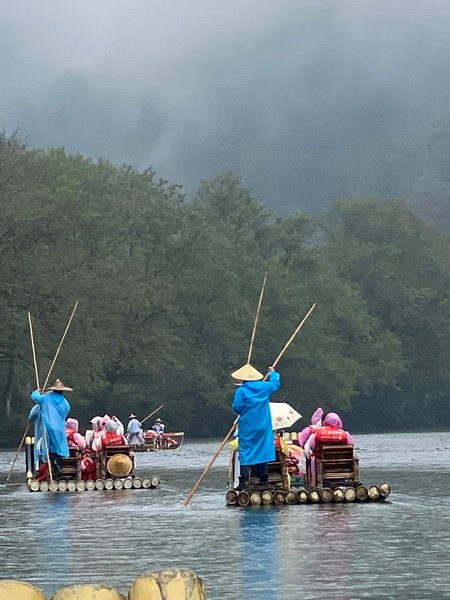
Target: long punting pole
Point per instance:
(256, 319)
(210, 464)
(17, 454)
(152, 413)
(229, 434)
(37, 385)
(59, 347)
(49, 464)
(291, 339)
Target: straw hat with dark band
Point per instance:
(247, 373)
(58, 386)
(119, 465)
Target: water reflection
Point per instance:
(53, 544)
(350, 551)
(260, 553)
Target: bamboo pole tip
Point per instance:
(88, 592)
(19, 590)
(173, 584)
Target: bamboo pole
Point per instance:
(59, 347)
(17, 454)
(256, 319)
(291, 339)
(152, 413)
(34, 352)
(209, 465)
(44, 431)
(37, 385)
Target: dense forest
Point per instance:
(168, 290)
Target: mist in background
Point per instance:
(307, 100)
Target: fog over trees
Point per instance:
(308, 101)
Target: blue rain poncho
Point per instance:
(35, 417)
(54, 410)
(251, 403)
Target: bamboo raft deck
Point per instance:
(168, 441)
(332, 477)
(71, 479)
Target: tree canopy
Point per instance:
(168, 291)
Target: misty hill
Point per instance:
(307, 101)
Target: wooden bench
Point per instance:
(71, 467)
(277, 473)
(106, 454)
(335, 464)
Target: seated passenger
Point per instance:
(316, 422)
(159, 426)
(74, 439)
(94, 432)
(111, 437)
(330, 433)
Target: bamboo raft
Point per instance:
(360, 493)
(167, 441)
(106, 477)
(333, 476)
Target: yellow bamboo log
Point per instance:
(19, 590)
(374, 492)
(173, 584)
(385, 489)
(338, 494)
(279, 497)
(314, 496)
(361, 493)
(302, 496)
(231, 497)
(88, 592)
(291, 497)
(255, 499)
(244, 498)
(326, 495)
(266, 497)
(349, 494)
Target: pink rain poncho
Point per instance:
(334, 421)
(316, 421)
(74, 439)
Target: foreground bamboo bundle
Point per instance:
(313, 496)
(172, 584)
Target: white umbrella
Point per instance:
(283, 415)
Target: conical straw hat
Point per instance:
(247, 373)
(58, 386)
(119, 465)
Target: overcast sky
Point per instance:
(164, 83)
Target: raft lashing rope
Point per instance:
(72, 485)
(357, 494)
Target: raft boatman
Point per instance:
(134, 431)
(251, 403)
(54, 410)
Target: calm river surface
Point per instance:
(397, 549)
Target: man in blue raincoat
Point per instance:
(54, 409)
(251, 403)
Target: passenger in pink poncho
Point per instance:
(330, 432)
(74, 439)
(316, 421)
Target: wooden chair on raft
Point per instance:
(105, 455)
(335, 464)
(278, 474)
(71, 467)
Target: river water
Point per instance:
(396, 549)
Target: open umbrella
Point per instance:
(283, 415)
